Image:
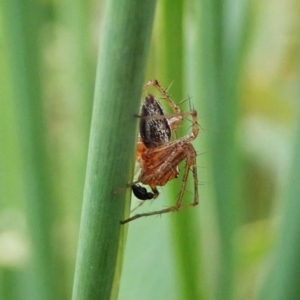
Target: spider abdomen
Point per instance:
(154, 131)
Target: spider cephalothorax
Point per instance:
(158, 157)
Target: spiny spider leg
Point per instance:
(175, 120)
(154, 82)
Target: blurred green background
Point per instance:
(238, 62)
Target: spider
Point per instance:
(158, 156)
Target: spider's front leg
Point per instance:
(190, 165)
(177, 117)
(154, 83)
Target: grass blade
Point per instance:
(120, 75)
(283, 280)
(23, 21)
(221, 66)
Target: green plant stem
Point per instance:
(23, 20)
(172, 69)
(221, 57)
(120, 75)
(283, 280)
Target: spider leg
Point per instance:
(174, 120)
(154, 83)
(139, 205)
(155, 191)
(125, 187)
(189, 137)
(190, 163)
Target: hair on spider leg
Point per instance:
(201, 153)
(169, 86)
(183, 101)
(199, 183)
(191, 121)
(192, 107)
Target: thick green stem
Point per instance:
(120, 75)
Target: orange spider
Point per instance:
(158, 157)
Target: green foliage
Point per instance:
(59, 146)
